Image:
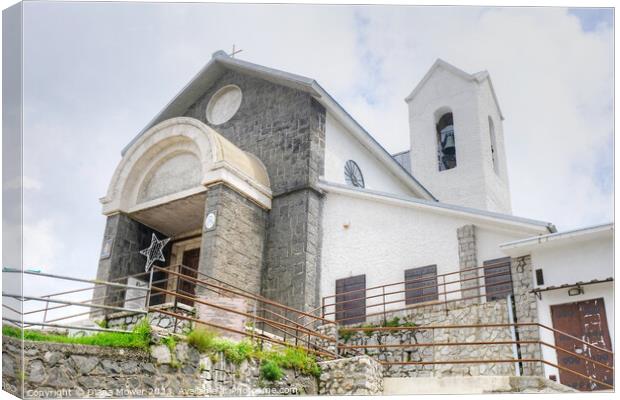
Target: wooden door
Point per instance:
(187, 287)
(351, 299)
(585, 320)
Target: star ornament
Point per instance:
(154, 251)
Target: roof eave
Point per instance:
(520, 223)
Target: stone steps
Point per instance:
(472, 385)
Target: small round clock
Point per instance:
(353, 174)
(210, 221)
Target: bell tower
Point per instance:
(457, 140)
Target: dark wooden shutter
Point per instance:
(351, 299)
(497, 278)
(421, 284)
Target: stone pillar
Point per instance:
(526, 311)
(232, 249)
(120, 256)
(467, 260)
(293, 247)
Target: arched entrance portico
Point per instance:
(167, 183)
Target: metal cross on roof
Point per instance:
(234, 52)
(154, 251)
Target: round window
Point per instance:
(224, 104)
(353, 174)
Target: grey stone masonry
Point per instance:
(467, 260)
(233, 251)
(54, 370)
(285, 129)
(456, 313)
(526, 311)
(353, 376)
(125, 238)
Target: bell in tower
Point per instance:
(447, 147)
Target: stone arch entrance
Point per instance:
(177, 175)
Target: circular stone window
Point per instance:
(224, 104)
(353, 174)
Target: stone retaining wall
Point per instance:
(127, 320)
(356, 375)
(68, 370)
(456, 314)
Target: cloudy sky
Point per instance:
(96, 73)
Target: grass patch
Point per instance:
(138, 338)
(271, 371)
(345, 334)
(271, 360)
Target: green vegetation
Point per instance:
(170, 342)
(346, 334)
(272, 361)
(138, 338)
(270, 371)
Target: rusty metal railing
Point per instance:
(608, 366)
(338, 305)
(39, 316)
(278, 323)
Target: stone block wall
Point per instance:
(526, 311)
(458, 313)
(125, 238)
(53, 370)
(468, 259)
(127, 320)
(285, 129)
(233, 251)
(351, 376)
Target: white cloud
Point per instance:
(554, 84)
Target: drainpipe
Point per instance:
(516, 348)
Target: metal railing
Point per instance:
(269, 321)
(345, 310)
(266, 320)
(596, 383)
(55, 302)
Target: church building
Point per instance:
(262, 180)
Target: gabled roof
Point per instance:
(478, 77)
(220, 62)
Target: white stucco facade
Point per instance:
(474, 182)
(382, 236)
(341, 146)
(565, 259)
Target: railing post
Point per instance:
(445, 294)
(147, 303)
(176, 300)
(384, 314)
(47, 303)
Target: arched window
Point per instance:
(446, 146)
(353, 174)
(494, 154)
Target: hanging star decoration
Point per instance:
(154, 251)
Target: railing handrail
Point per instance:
(461, 289)
(490, 266)
(469, 326)
(248, 295)
(420, 305)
